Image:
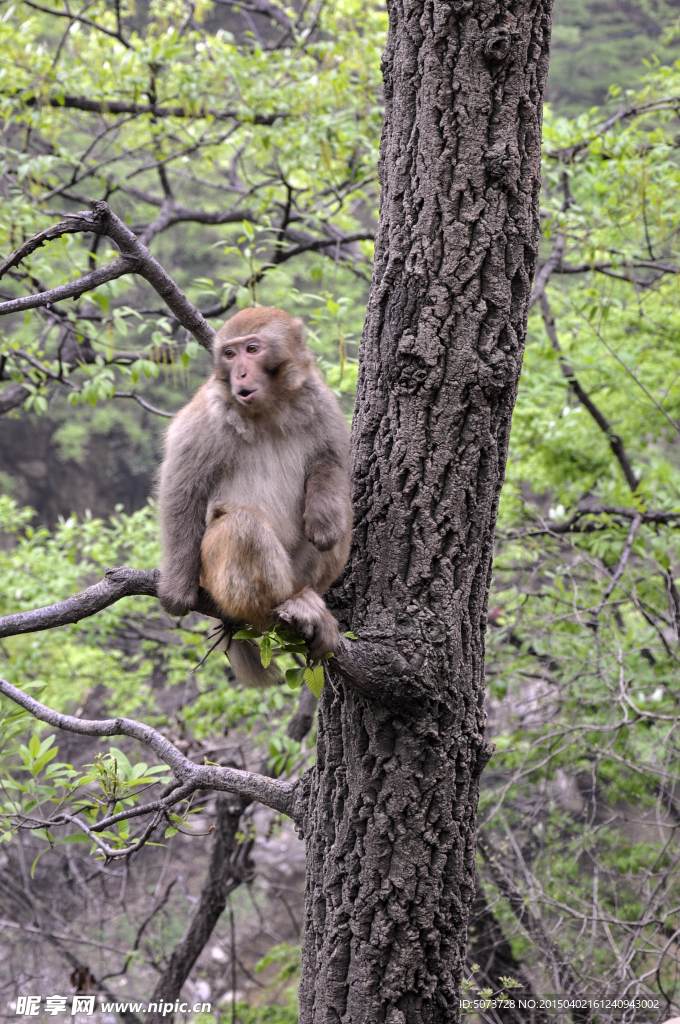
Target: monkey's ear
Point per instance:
(300, 328)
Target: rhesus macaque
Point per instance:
(254, 490)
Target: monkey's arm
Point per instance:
(328, 512)
(188, 474)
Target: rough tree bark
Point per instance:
(389, 810)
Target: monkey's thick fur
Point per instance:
(254, 490)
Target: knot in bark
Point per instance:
(100, 214)
(497, 45)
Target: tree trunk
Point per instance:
(389, 810)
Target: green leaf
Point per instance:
(350, 635)
(170, 832)
(266, 650)
(247, 634)
(34, 746)
(314, 677)
(294, 677)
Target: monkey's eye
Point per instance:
(253, 348)
(229, 353)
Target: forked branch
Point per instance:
(278, 795)
(134, 258)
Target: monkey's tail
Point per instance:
(244, 658)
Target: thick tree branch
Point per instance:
(11, 397)
(117, 583)
(377, 670)
(124, 107)
(134, 258)
(615, 442)
(278, 795)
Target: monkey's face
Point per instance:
(244, 364)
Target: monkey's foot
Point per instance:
(307, 615)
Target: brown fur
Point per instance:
(254, 487)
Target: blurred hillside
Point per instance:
(598, 43)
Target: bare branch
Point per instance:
(318, 244)
(606, 267)
(534, 926)
(71, 290)
(567, 153)
(135, 258)
(82, 20)
(301, 722)
(615, 442)
(124, 107)
(575, 525)
(265, 7)
(144, 404)
(117, 583)
(278, 795)
(72, 225)
(228, 868)
(618, 572)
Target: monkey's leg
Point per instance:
(247, 571)
(307, 615)
(244, 566)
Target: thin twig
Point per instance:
(134, 258)
(615, 442)
(625, 554)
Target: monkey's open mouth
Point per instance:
(245, 394)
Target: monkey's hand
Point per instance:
(177, 601)
(307, 615)
(323, 527)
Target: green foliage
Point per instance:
(583, 650)
(263, 1014)
(300, 142)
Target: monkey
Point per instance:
(254, 498)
